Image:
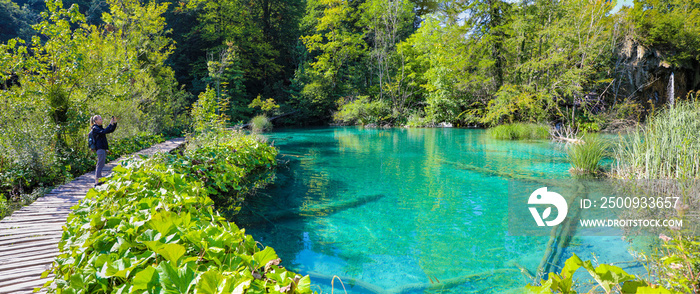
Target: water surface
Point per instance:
(397, 210)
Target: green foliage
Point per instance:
(4, 209)
(585, 156)
(362, 111)
(260, 123)
(673, 26)
(266, 106)
(206, 114)
(516, 103)
(666, 148)
(76, 70)
(15, 21)
(608, 277)
(519, 131)
(153, 229)
(678, 263)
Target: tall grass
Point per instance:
(260, 123)
(585, 157)
(519, 131)
(667, 148)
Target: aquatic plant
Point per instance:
(668, 147)
(519, 131)
(585, 156)
(260, 123)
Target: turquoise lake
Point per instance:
(407, 210)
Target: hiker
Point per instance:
(100, 143)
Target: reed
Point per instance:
(260, 123)
(585, 157)
(668, 147)
(519, 131)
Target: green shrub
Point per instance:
(666, 148)
(417, 119)
(260, 123)
(585, 157)
(519, 131)
(361, 110)
(153, 229)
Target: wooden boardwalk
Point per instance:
(29, 237)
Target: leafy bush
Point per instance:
(125, 146)
(585, 157)
(519, 131)
(208, 113)
(229, 164)
(362, 111)
(678, 266)
(608, 277)
(153, 229)
(417, 119)
(260, 123)
(516, 103)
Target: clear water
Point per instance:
(396, 210)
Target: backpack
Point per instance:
(91, 141)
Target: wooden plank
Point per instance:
(26, 286)
(52, 252)
(29, 239)
(31, 226)
(55, 213)
(17, 225)
(17, 265)
(25, 279)
(26, 272)
(29, 218)
(7, 233)
(33, 250)
(21, 246)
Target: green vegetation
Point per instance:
(585, 156)
(408, 62)
(27, 179)
(608, 277)
(153, 227)
(260, 123)
(519, 131)
(4, 209)
(666, 148)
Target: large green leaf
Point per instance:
(263, 257)
(172, 252)
(145, 279)
(176, 279)
(210, 282)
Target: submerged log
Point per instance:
(318, 210)
(365, 287)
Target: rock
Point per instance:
(444, 125)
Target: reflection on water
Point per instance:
(399, 210)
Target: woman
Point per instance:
(101, 145)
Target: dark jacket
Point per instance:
(99, 134)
